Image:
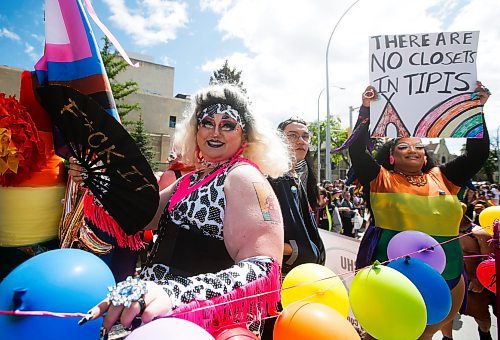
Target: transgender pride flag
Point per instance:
(71, 56)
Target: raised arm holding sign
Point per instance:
(426, 85)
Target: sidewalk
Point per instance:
(465, 328)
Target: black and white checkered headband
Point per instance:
(219, 108)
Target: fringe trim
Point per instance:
(102, 220)
(242, 305)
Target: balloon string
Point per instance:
(41, 313)
(352, 273)
(482, 255)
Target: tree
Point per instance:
(114, 65)
(338, 136)
(491, 164)
(143, 141)
(227, 75)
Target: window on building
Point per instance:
(443, 160)
(172, 121)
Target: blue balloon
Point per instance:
(62, 280)
(431, 285)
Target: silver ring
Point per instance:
(128, 291)
(142, 304)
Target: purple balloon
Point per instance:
(170, 328)
(411, 241)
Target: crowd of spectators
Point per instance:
(341, 209)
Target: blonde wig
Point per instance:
(265, 147)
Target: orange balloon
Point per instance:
(312, 321)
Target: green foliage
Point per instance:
(338, 135)
(143, 141)
(114, 65)
(491, 165)
(227, 75)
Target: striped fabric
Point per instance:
(71, 55)
(29, 215)
(433, 209)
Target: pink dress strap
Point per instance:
(183, 188)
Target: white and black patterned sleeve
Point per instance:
(183, 290)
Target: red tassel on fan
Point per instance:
(102, 220)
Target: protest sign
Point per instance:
(426, 84)
(341, 252)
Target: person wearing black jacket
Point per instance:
(297, 194)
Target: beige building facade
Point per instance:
(10, 80)
(161, 111)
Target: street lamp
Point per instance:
(328, 165)
(319, 135)
(351, 110)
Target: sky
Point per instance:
(279, 45)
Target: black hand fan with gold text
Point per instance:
(116, 172)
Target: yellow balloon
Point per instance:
(488, 216)
(330, 292)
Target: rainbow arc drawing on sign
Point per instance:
(457, 116)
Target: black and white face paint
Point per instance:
(225, 110)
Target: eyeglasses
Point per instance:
(406, 146)
(294, 137)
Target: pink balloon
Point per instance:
(411, 241)
(170, 328)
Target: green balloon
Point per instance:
(387, 304)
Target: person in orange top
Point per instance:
(408, 192)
